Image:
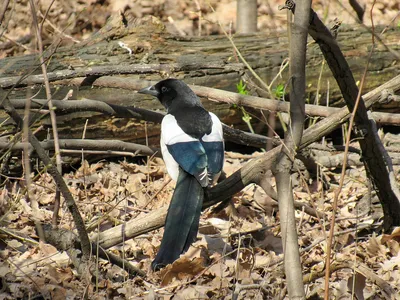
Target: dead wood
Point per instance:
(231, 134)
(198, 60)
(358, 8)
(234, 135)
(109, 145)
(65, 107)
(66, 240)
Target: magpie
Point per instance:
(192, 147)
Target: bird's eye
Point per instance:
(164, 89)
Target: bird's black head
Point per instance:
(172, 93)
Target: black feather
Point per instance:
(182, 221)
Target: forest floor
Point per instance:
(239, 249)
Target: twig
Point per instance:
(200, 16)
(77, 144)
(65, 240)
(58, 30)
(389, 292)
(199, 275)
(20, 42)
(155, 195)
(99, 152)
(38, 31)
(391, 21)
(16, 235)
(27, 172)
(342, 177)
(172, 22)
(3, 10)
(338, 233)
(376, 36)
(242, 58)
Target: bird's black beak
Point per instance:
(151, 90)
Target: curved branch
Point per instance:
(105, 145)
(64, 107)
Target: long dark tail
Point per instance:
(182, 221)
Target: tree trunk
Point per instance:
(246, 16)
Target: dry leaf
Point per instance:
(375, 248)
(218, 270)
(59, 275)
(358, 286)
(395, 235)
(180, 269)
(266, 240)
(47, 249)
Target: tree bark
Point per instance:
(246, 16)
(206, 61)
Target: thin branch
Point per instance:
(341, 182)
(358, 9)
(388, 291)
(78, 144)
(38, 31)
(3, 10)
(66, 240)
(210, 93)
(63, 107)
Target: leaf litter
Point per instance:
(239, 246)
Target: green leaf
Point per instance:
(241, 88)
(279, 91)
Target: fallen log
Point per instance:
(205, 61)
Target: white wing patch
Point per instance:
(170, 162)
(216, 134)
(171, 134)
